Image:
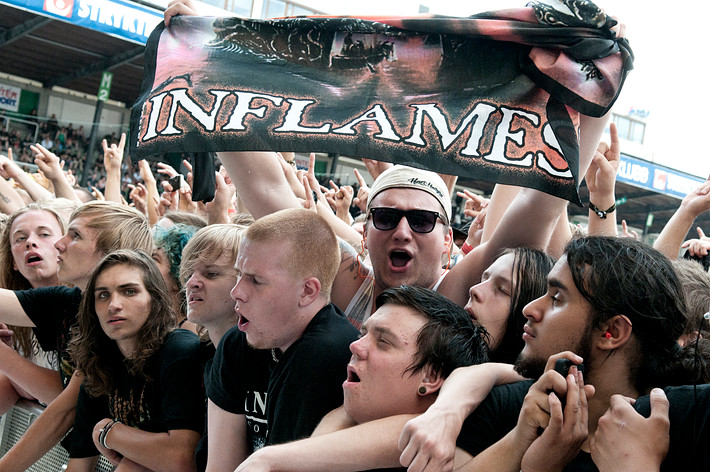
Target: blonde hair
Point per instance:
(209, 244)
(313, 247)
(119, 226)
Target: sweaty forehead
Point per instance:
(406, 199)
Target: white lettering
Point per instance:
(243, 108)
(504, 132)
(379, 116)
(205, 119)
(292, 120)
(157, 103)
(479, 115)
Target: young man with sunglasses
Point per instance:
(407, 233)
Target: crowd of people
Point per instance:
(267, 329)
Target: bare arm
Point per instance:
(260, 181)
(42, 383)
(84, 464)
(11, 312)
(674, 232)
(367, 446)
(48, 163)
(177, 447)
(350, 277)
(528, 221)
(429, 440)
(501, 198)
(334, 421)
(12, 170)
(227, 439)
(10, 200)
(47, 430)
(601, 181)
(113, 158)
(151, 186)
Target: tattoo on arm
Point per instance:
(4, 199)
(349, 258)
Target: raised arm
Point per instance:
(113, 158)
(673, 234)
(48, 163)
(260, 181)
(601, 182)
(528, 222)
(10, 169)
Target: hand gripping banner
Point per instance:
(495, 97)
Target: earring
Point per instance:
(607, 335)
(422, 390)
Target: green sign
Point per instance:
(105, 86)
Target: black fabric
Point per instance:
(208, 351)
(173, 399)
(311, 84)
(689, 434)
(292, 395)
(203, 184)
(493, 418)
(239, 378)
(53, 311)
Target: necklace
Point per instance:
(273, 355)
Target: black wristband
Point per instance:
(601, 213)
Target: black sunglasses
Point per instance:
(420, 221)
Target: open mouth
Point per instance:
(352, 376)
(193, 298)
(242, 322)
(400, 258)
(33, 258)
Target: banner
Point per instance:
(120, 18)
(664, 180)
(495, 97)
(9, 97)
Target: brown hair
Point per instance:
(94, 353)
(12, 279)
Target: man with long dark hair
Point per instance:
(142, 388)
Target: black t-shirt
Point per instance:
(53, 311)
(292, 395)
(208, 351)
(173, 399)
(689, 434)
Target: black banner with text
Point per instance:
(494, 97)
